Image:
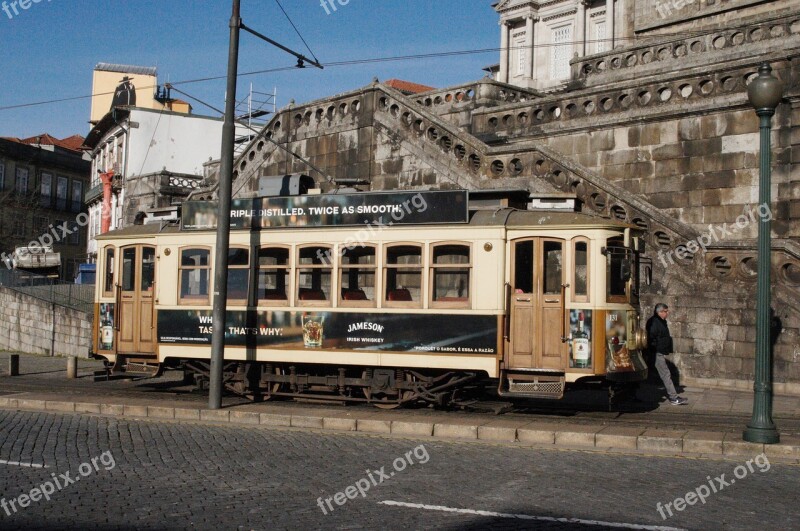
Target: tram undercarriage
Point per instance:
(385, 388)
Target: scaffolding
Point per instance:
(253, 110)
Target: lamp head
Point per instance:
(765, 91)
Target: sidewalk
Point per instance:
(710, 426)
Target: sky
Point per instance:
(48, 51)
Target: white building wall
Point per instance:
(179, 143)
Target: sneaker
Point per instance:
(678, 401)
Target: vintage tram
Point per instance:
(385, 298)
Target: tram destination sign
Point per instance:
(326, 210)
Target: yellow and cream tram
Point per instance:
(387, 298)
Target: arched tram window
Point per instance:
(450, 275)
(194, 275)
(238, 274)
(314, 268)
(273, 276)
(403, 275)
(357, 276)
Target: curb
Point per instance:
(576, 437)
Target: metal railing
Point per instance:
(77, 296)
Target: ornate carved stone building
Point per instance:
(651, 125)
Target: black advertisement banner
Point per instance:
(378, 209)
(377, 332)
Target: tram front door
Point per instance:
(537, 279)
(137, 284)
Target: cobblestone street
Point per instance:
(163, 475)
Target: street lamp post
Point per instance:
(765, 93)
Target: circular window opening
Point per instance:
(598, 201)
(433, 134)
(665, 94)
(662, 240)
(686, 90)
(522, 118)
(641, 223)
(791, 272)
(460, 152)
(251, 156)
(749, 267)
(515, 167)
(260, 145)
(493, 122)
(474, 162)
(394, 110)
(508, 120)
(618, 213)
(497, 167)
(446, 143)
(355, 106)
(721, 266)
(683, 253)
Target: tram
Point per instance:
(387, 298)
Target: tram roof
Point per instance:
(508, 217)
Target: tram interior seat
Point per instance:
(354, 295)
(312, 295)
(274, 295)
(401, 294)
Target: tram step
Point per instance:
(535, 386)
(142, 369)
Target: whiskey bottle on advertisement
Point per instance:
(581, 349)
(107, 332)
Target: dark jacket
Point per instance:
(658, 335)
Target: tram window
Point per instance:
(148, 268)
(314, 268)
(194, 274)
(238, 274)
(273, 276)
(616, 276)
(108, 286)
(523, 267)
(580, 280)
(128, 268)
(403, 274)
(553, 267)
(450, 273)
(357, 276)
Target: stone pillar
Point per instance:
(581, 28)
(610, 23)
(529, 21)
(504, 38)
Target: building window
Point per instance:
(20, 227)
(46, 189)
(314, 268)
(238, 274)
(273, 276)
(403, 275)
(41, 223)
(600, 37)
(552, 274)
(74, 237)
(518, 44)
(450, 272)
(77, 196)
(61, 192)
(21, 186)
(561, 52)
(194, 274)
(357, 276)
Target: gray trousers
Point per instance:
(666, 377)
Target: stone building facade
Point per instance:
(42, 182)
(656, 130)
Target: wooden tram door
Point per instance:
(135, 297)
(537, 278)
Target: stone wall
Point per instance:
(27, 326)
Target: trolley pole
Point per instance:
(224, 218)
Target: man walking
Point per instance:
(660, 342)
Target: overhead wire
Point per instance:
(296, 30)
